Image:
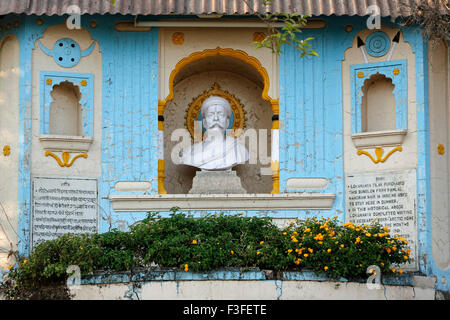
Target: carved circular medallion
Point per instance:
(237, 120)
(378, 44)
(67, 52)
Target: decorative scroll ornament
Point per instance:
(378, 44)
(237, 121)
(67, 52)
(379, 154)
(65, 158)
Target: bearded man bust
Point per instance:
(217, 151)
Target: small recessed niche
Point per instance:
(378, 104)
(65, 117)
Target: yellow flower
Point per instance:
(257, 252)
(305, 255)
(262, 242)
(386, 229)
(194, 241)
(297, 262)
(294, 239)
(393, 269)
(290, 250)
(405, 257)
(295, 233)
(394, 248)
(307, 230)
(382, 264)
(400, 271)
(310, 250)
(357, 240)
(284, 233)
(186, 267)
(368, 234)
(342, 245)
(232, 252)
(325, 268)
(9, 267)
(329, 250)
(320, 242)
(388, 250)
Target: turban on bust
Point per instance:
(214, 100)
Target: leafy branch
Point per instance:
(292, 23)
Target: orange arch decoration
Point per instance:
(226, 52)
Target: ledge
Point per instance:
(229, 274)
(389, 138)
(164, 202)
(52, 142)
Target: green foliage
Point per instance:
(292, 23)
(214, 242)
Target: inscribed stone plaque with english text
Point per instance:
(389, 197)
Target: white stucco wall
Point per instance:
(438, 64)
(91, 64)
(9, 129)
(407, 159)
(251, 290)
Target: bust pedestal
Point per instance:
(216, 182)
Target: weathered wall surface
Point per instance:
(9, 146)
(44, 165)
(250, 290)
(438, 65)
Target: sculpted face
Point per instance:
(216, 117)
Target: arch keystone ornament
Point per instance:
(238, 117)
(224, 52)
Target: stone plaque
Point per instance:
(63, 205)
(389, 197)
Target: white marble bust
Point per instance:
(218, 151)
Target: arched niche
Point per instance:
(378, 104)
(239, 78)
(65, 116)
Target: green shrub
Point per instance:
(214, 242)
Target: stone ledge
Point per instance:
(389, 138)
(164, 202)
(52, 142)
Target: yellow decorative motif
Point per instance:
(396, 71)
(83, 83)
(360, 74)
(441, 149)
(379, 154)
(65, 158)
(6, 151)
(178, 38)
(259, 36)
(227, 52)
(49, 81)
(195, 107)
